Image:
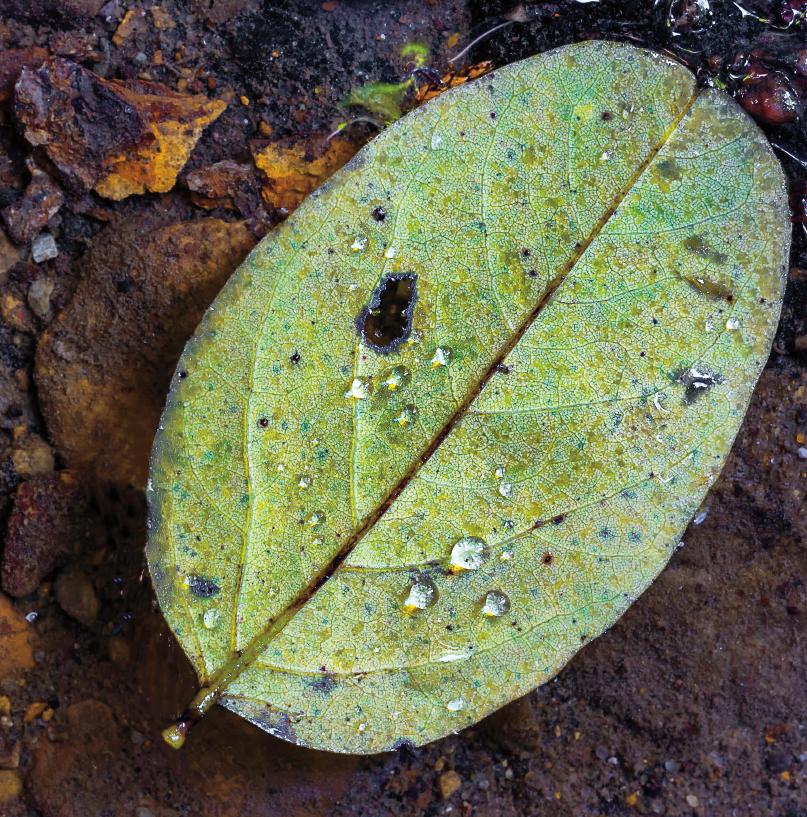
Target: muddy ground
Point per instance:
(694, 703)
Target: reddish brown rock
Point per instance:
(48, 524)
(28, 215)
(12, 61)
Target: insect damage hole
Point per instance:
(386, 322)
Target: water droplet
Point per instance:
(442, 356)
(469, 553)
(606, 155)
(303, 481)
(318, 540)
(273, 591)
(506, 489)
(362, 727)
(455, 705)
(496, 604)
(732, 323)
(708, 326)
(500, 472)
(407, 416)
(390, 253)
(281, 467)
(454, 656)
(359, 244)
(422, 594)
(395, 378)
(359, 389)
(507, 555)
(316, 519)
(437, 140)
(211, 619)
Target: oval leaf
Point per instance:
(447, 422)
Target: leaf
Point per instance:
(366, 541)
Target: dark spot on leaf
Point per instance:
(263, 422)
(697, 245)
(203, 588)
(548, 558)
(502, 369)
(525, 253)
(325, 685)
(379, 213)
(386, 322)
(295, 358)
(183, 374)
(558, 519)
(606, 115)
(696, 383)
(532, 273)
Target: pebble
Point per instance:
(803, 453)
(39, 296)
(32, 457)
(692, 800)
(10, 786)
(77, 596)
(448, 783)
(43, 248)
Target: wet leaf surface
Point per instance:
(402, 538)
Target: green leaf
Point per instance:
(361, 541)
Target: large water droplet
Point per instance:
(436, 141)
(211, 619)
(732, 323)
(496, 604)
(506, 489)
(469, 553)
(390, 253)
(407, 415)
(359, 244)
(359, 389)
(606, 155)
(441, 357)
(422, 594)
(316, 519)
(303, 481)
(395, 378)
(507, 554)
(455, 705)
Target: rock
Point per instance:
(771, 99)
(39, 296)
(44, 248)
(12, 61)
(48, 524)
(32, 457)
(9, 752)
(292, 167)
(448, 783)
(10, 786)
(104, 365)
(77, 597)
(15, 313)
(29, 214)
(91, 722)
(9, 254)
(16, 641)
(118, 138)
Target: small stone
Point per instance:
(692, 800)
(15, 313)
(39, 296)
(47, 525)
(9, 752)
(91, 722)
(119, 652)
(28, 215)
(802, 452)
(448, 783)
(43, 248)
(136, 737)
(32, 457)
(10, 786)
(77, 597)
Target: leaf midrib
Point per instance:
(217, 685)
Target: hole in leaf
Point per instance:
(386, 322)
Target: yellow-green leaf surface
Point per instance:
(358, 549)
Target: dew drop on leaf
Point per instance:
(470, 553)
(422, 594)
(211, 619)
(496, 604)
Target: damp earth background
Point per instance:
(692, 704)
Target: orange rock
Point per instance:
(16, 641)
(294, 166)
(137, 136)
